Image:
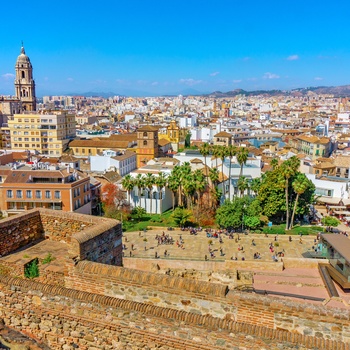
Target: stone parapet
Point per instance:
(63, 317)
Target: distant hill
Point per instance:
(337, 91)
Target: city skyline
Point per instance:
(140, 48)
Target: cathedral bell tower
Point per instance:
(24, 82)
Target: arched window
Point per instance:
(23, 74)
(145, 134)
(145, 143)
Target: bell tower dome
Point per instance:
(24, 82)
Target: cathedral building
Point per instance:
(24, 82)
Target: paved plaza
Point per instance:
(196, 247)
(304, 282)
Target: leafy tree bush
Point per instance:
(181, 216)
(330, 221)
(31, 270)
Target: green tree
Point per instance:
(161, 182)
(140, 184)
(231, 152)
(274, 163)
(149, 182)
(128, 184)
(215, 150)
(188, 139)
(242, 157)
(300, 184)
(205, 151)
(223, 153)
(288, 169)
(139, 212)
(242, 184)
(255, 185)
(181, 216)
(252, 222)
(173, 184)
(330, 221)
(275, 198)
(230, 214)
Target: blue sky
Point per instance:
(140, 46)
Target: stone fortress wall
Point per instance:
(95, 305)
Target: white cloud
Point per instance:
(141, 82)
(318, 78)
(8, 76)
(252, 79)
(269, 75)
(214, 74)
(190, 81)
(70, 79)
(237, 81)
(292, 57)
(155, 83)
(46, 78)
(246, 59)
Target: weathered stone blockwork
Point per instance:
(205, 298)
(65, 318)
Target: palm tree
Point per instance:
(149, 182)
(255, 185)
(274, 163)
(223, 153)
(288, 169)
(242, 156)
(173, 185)
(140, 184)
(204, 150)
(200, 183)
(214, 176)
(215, 151)
(189, 188)
(300, 185)
(184, 171)
(160, 181)
(128, 183)
(242, 184)
(231, 151)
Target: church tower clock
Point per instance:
(24, 82)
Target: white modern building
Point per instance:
(122, 162)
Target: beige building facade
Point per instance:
(48, 134)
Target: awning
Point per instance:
(343, 212)
(337, 207)
(328, 200)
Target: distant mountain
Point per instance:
(337, 91)
(93, 94)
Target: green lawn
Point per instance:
(304, 230)
(164, 220)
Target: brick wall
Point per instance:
(18, 232)
(207, 298)
(64, 318)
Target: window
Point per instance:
(57, 194)
(47, 194)
(9, 193)
(145, 134)
(37, 194)
(19, 193)
(29, 194)
(145, 143)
